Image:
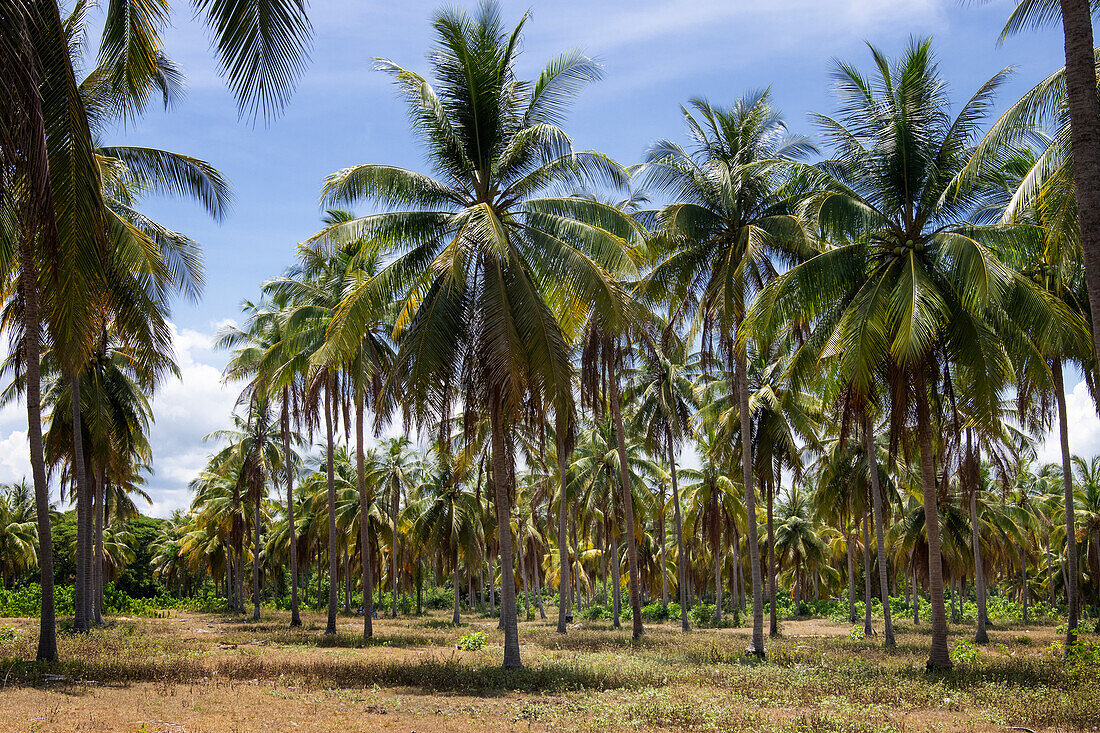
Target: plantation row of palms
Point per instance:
(899, 305)
(558, 347)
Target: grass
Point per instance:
(594, 678)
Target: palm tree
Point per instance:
(17, 532)
(1080, 82)
(482, 260)
(663, 393)
(910, 281)
(723, 235)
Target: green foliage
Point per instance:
(7, 632)
(964, 652)
(656, 612)
(472, 642)
(857, 634)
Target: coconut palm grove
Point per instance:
(741, 434)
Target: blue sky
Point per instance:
(656, 55)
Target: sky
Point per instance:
(655, 56)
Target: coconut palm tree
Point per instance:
(911, 283)
(486, 268)
(721, 238)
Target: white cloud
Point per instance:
(1083, 428)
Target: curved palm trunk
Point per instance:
(616, 578)
(295, 619)
(1067, 481)
(330, 629)
(563, 539)
(628, 509)
(503, 504)
(757, 645)
(938, 657)
(681, 570)
(880, 522)
(364, 521)
(1084, 115)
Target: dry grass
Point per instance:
(195, 672)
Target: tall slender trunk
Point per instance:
(538, 591)
(503, 503)
(331, 468)
(564, 611)
(717, 539)
(84, 513)
(364, 519)
(32, 339)
(773, 618)
(1050, 567)
(1063, 437)
(1023, 589)
(628, 507)
(868, 628)
(616, 577)
(456, 579)
(757, 645)
(663, 541)
(852, 581)
(576, 561)
(880, 523)
(256, 555)
(97, 562)
(295, 619)
(1084, 115)
(980, 635)
(916, 590)
(938, 656)
(395, 505)
(681, 569)
(526, 582)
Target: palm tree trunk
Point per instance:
(256, 557)
(880, 523)
(538, 592)
(663, 540)
(98, 563)
(32, 339)
(1050, 567)
(681, 569)
(295, 619)
(84, 513)
(564, 598)
(916, 590)
(1063, 429)
(1023, 588)
(455, 580)
(938, 657)
(1084, 115)
(628, 508)
(395, 503)
(757, 645)
(526, 582)
(980, 635)
(503, 504)
(364, 519)
(717, 539)
(868, 629)
(330, 629)
(851, 582)
(616, 579)
(773, 619)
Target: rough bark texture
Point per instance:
(757, 645)
(502, 501)
(1067, 482)
(256, 558)
(773, 619)
(938, 657)
(82, 610)
(331, 468)
(880, 522)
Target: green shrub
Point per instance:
(964, 651)
(656, 612)
(472, 642)
(7, 632)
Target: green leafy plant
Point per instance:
(472, 642)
